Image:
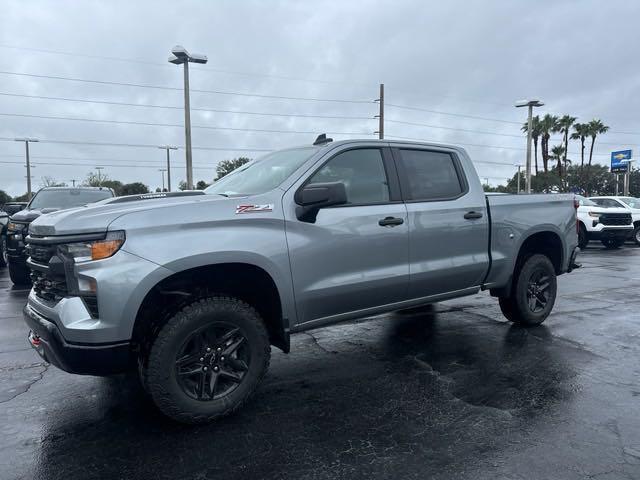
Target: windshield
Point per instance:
(67, 198)
(263, 174)
(631, 201)
(585, 202)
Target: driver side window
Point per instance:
(362, 172)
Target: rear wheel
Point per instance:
(3, 251)
(19, 274)
(583, 239)
(612, 243)
(207, 360)
(533, 294)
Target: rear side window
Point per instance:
(362, 172)
(430, 175)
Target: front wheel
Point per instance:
(19, 274)
(207, 360)
(4, 259)
(533, 294)
(636, 235)
(613, 243)
(583, 238)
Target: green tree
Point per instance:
(182, 185)
(134, 188)
(48, 181)
(201, 185)
(596, 127)
(580, 132)
(548, 125)
(227, 166)
(22, 198)
(557, 154)
(564, 124)
(4, 197)
(535, 136)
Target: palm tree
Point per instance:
(535, 136)
(548, 125)
(580, 132)
(557, 154)
(564, 125)
(596, 127)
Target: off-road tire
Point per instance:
(612, 243)
(583, 238)
(19, 275)
(516, 307)
(159, 375)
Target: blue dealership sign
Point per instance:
(620, 161)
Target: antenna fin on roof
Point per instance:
(322, 139)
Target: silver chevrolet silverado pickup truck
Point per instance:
(193, 291)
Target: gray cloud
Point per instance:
(472, 58)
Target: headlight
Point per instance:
(594, 214)
(15, 227)
(96, 249)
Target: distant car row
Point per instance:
(612, 220)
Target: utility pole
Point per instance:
(180, 56)
(73, 181)
(380, 115)
(99, 176)
(530, 104)
(627, 178)
(162, 170)
(519, 167)
(28, 165)
(167, 148)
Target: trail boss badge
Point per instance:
(267, 207)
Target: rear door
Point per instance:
(448, 221)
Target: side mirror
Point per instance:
(311, 198)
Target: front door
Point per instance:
(353, 257)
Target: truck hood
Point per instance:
(97, 218)
(28, 216)
(587, 209)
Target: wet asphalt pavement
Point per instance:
(459, 393)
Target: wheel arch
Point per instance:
(246, 281)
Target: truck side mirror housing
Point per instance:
(311, 198)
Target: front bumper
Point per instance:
(102, 359)
(611, 233)
(15, 249)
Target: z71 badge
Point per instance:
(267, 207)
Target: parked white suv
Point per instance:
(630, 204)
(610, 225)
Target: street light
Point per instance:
(180, 56)
(99, 177)
(519, 167)
(530, 104)
(26, 147)
(167, 148)
(162, 170)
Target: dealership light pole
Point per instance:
(530, 104)
(519, 167)
(167, 148)
(626, 178)
(26, 148)
(99, 175)
(180, 56)
(162, 170)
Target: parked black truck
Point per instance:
(46, 200)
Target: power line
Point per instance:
(175, 125)
(475, 117)
(452, 128)
(158, 64)
(102, 164)
(181, 108)
(179, 89)
(140, 145)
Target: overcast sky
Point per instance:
(456, 57)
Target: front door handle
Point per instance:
(390, 221)
(472, 215)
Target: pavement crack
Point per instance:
(45, 367)
(315, 341)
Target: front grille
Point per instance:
(615, 219)
(50, 289)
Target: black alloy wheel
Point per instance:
(538, 292)
(213, 362)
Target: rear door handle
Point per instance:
(472, 215)
(390, 222)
